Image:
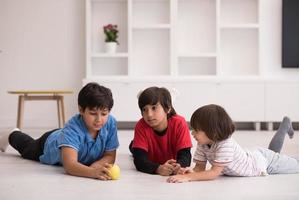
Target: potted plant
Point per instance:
(111, 34)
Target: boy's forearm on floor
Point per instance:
(206, 175)
(105, 159)
(78, 169)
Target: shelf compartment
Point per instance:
(150, 52)
(239, 11)
(239, 52)
(196, 26)
(109, 66)
(108, 12)
(150, 12)
(196, 66)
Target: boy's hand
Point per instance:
(167, 168)
(178, 179)
(102, 171)
(176, 167)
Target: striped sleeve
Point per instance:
(224, 153)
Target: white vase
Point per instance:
(111, 47)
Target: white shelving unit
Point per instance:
(208, 50)
(174, 37)
(98, 14)
(239, 21)
(197, 38)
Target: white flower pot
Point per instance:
(111, 47)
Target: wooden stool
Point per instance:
(40, 95)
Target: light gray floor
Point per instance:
(23, 179)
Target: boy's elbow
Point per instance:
(68, 169)
(141, 166)
(214, 175)
(138, 165)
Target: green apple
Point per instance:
(114, 172)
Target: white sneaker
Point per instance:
(4, 140)
(15, 129)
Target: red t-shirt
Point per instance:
(162, 148)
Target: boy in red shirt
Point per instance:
(162, 141)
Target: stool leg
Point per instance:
(20, 111)
(62, 111)
(59, 112)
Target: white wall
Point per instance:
(42, 47)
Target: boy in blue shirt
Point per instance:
(87, 144)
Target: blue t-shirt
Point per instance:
(75, 135)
